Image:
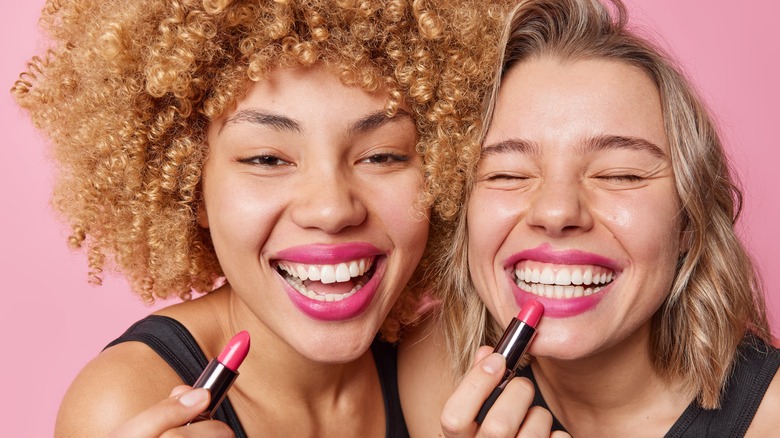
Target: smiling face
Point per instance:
(310, 197)
(575, 204)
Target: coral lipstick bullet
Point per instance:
(221, 372)
(513, 345)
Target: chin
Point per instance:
(336, 346)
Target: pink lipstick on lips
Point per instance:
(221, 372)
(513, 345)
(318, 254)
(558, 307)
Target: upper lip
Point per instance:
(546, 254)
(319, 254)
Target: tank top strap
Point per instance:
(385, 357)
(176, 345)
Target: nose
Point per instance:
(559, 208)
(328, 201)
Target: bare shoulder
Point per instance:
(118, 384)
(766, 422)
(425, 378)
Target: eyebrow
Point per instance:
(259, 117)
(512, 145)
(598, 143)
(604, 142)
(376, 120)
(283, 123)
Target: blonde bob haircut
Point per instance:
(127, 89)
(716, 297)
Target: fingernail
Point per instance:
(194, 397)
(493, 363)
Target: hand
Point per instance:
(169, 418)
(510, 416)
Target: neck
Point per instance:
(285, 374)
(604, 394)
(279, 388)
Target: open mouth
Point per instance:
(561, 281)
(328, 282)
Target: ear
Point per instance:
(203, 215)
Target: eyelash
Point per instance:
(273, 161)
(626, 178)
(264, 160)
(504, 176)
(386, 158)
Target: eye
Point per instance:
(504, 177)
(265, 161)
(385, 158)
(622, 178)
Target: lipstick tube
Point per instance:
(513, 345)
(221, 372)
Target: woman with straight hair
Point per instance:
(602, 191)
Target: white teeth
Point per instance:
(548, 277)
(558, 292)
(576, 276)
(328, 274)
(562, 277)
(302, 273)
(298, 285)
(314, 273)
(342, 273)
(562, 281)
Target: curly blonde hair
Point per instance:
(128, 88)
(717, 296)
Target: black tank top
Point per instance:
(755, 366)
(174, 343)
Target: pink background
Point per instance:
(53, 322)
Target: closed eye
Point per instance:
(622, 178)
(503, 177)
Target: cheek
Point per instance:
(649, 230)
(491, 216)
(239, 215)
(398, 209)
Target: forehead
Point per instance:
(298, 98)
(552, 101)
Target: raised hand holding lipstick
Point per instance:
(513, 345)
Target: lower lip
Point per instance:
(337, 310)
(561, 308)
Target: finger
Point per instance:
(166, 414)
(538, 422)
(483, 352)
(208, 428)
(179, 389)
(460, 410)
(511, 410)
(560, 434)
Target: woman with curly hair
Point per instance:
(602, 191)
(283, 158)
